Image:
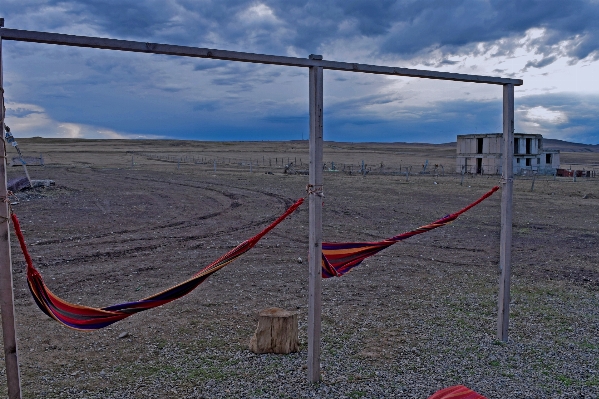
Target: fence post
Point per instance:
(315, 222)
(7, 307)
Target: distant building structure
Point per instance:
(482, 153)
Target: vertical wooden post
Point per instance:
(505, 255)
(7, 307)
(315, 222)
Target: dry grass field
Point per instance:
(127, 219)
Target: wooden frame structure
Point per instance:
(316, 65)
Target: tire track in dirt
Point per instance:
(165, 240)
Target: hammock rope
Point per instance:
(89, 318)
(339, 258)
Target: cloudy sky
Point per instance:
(56, 91)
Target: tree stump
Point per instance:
(277, 332)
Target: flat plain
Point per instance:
(127, 219)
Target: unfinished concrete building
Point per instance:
(481, 154)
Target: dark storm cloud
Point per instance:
(541, 63)
(109, 90)
(402, 27)
(446, 119)
(206, 106)
(436, 124)
(205, 65)
(454, 27)
(19, 112)
(287, 119)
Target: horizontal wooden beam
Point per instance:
(417, 73)
(198, 52)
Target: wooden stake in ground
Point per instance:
(7, 307)
(277, 332)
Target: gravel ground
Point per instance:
(416, 318)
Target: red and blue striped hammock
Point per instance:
(88, 318)
(337, 259)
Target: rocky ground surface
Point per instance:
(411, 320)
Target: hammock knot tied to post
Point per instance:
(503, 180)
(313, 189)
(6, 199)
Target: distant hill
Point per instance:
(566, 146)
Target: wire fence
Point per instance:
(297, 165)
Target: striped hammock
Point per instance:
(339, 258)
(87, 318)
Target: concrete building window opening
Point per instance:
(538, 161)
(529, 146)
(548, 159)
(516, 146)
(479, 145)
(528, 163)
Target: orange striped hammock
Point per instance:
(337, 259)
